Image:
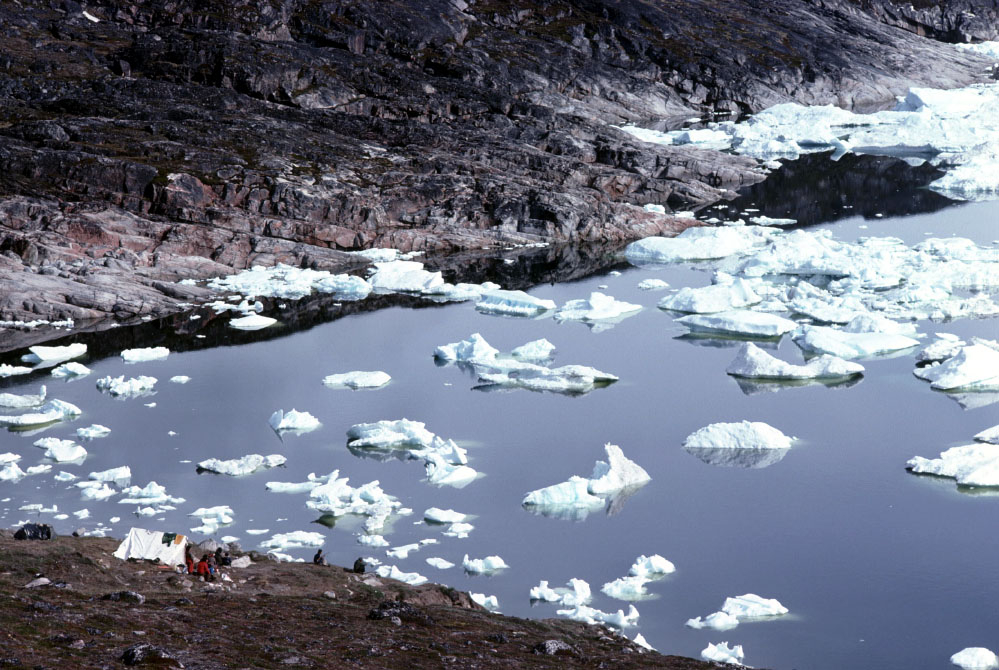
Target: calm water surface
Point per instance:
(879, 568)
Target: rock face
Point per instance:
(164, 140)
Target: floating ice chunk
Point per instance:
(403, 276)
(389, 434)
(875, 323)
(14, 401)
(475, 348)
(714, 298)
(626, 588)
(119, 386)
(975, 658)
(294, 540)
(653, 285)
(651, 567)
(120, 475)
(513, 303)
(969, 465)
(99, 492)
(655, 209)
(699, 243)
(252, 322)
(483, 566)
(212, 518)
(50, 412)
(392, 572)
(439, 563)
(11, 370)
(566, 379)
(357, 379)
(722, 653)
(739, 322)
(576, 592)
(372, 540)
(147, 354)
(151, 494)
(296, 487)
(40, 354)
(10, 457)
(754, 363)
(10, 472)
(242, 466)
(990, 435)
(403, 551)
(768, 221)
(61, 451)
(459, 530)
(344, 287)
(489, 602)
(826, 340)
(752, 606)
(946, 345)
(598, 307)
(974, 367)
(93, 432)
(180, 379)
(717, 621)
(593, 616)
(70, 370)
(536, 350)
(459, 292)
(742, 435)
(617, 473)
(574, 492)
(442, 473)
(293, 422)
(257, 531)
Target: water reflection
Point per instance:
(752, 387)
(580, 511)
(738, 458)
(716, 341)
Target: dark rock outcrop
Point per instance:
(144, 142)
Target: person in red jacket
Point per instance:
(203, 570)
(189, 560)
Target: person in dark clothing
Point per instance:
(359, 566)
(189, 560)
(226, 559)
(319, 559)
(218, 557)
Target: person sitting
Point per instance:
(319, 558)
(213, 568)
(226, 559)
(189, 560)
(203, 571)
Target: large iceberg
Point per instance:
(576, 592)
(753, 363)
(70, 370)
(392, 572)
(242, 466)
(294, 540)
(590, 615)
(975, 658)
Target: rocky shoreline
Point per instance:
(146, 142)
(101, 612)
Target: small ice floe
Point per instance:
(443, 516)
(651, 567)
(296, 487)
(740, 608)
(285, 281)
(50, 412)
(212, 518)
(12, 370)
(975, 658)
(93, 432)
(61, 451)
(644, 570)
(392, 572)
(653, 285)
(990, 435)
(611, 481)
(768, 221)
(460, 292)
(294, 540)
(403, 551)
(357, 380)
(719, 297)
(390, 434)
(70, 370)
(441, 472)
(14, 401)
(403, 277)
(241, 466)
(337, 497)
(180, 379)
(252, 322)
(590, 615)
(537, 351)
(697, 243)
(745, 445)
(130, 388)
(567, 379)
(491, 603)
(10, 472)
(64, 476)
(376, 541)
(93, 490)
(257, 531)
(439, 563)
(973, 368)
(969, 465)
(53, 355)
(10, 457)
(147, 354)
(293, 422)
(459, 530)
(754, 363)
(483, 566)
(576, 592)
(513, 303)
(739, 323)
(119, 476)
(150, 494)
(722, 653)
(597, 308)
(827, 340)
(946, 345)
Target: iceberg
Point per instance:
(338, 498)
(973, 368)
(120, 476)
(975, 658)
(617, 473)
(576, 592)
(251, 322)
(590, 615)
(698, 243)
(474, 349)
(489, 602)
(946, 345)
(392, 572)
(296, 487)
(439, 563)
(10, 472)
(969, 465)
(626, 588)
(651, 567)
(93, 432)
(483, 566)
(403, 551)
(61, 451)
(390, 434)
(742, 435)
(715, 621)
(754, 363)
(285, 281)
(653, 285)
(180, 379)
(241, 466)
(599, 307)
(442, 473)
(722, 653)
(714, 298)
(513, 303)
(150, 494)
(148, 354)
(826, 340)
(443, 516)
(52, 355)
(357, 380)
(12, 370)
(50, 412)
(131, 388)
(739, 323)
(568, 379)
(70, 370)
(212, 518)
(990, 435)
(294, 540)
(293, 422)
(14, 401)
(403, 277)
(740, 608)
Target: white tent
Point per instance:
(150, 545)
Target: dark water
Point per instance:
(879, 568)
